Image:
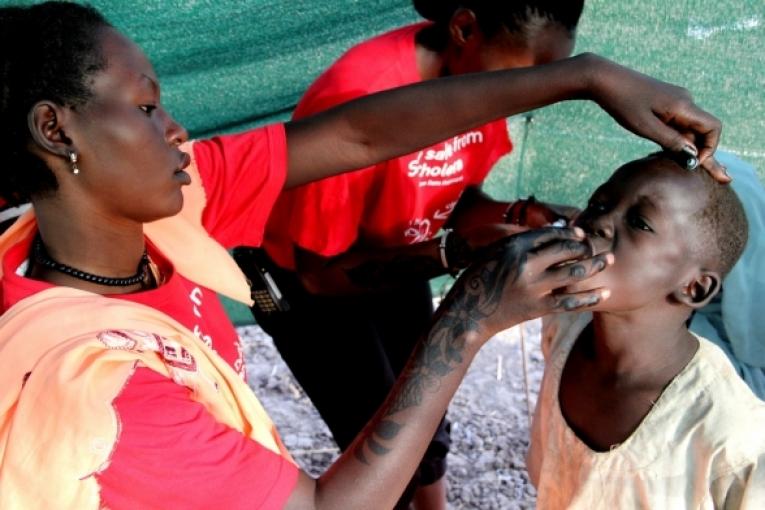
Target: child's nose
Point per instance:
(603, 226)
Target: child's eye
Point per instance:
(147, 108)
(634, 220)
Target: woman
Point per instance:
(120, 373)
(358, 250)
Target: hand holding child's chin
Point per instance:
(597, 249)
(527, 275)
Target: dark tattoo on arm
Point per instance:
(476, 296)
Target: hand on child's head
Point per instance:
(704, 160)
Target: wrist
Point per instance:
(454, 252)
(473, 335)
(442, 243)
(517, 212)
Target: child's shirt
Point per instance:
(702, 445)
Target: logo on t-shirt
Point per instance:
(172, 352)
(196, 296)
(422, 229)
(443, 167)
(418, 231)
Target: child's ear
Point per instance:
(699, 290)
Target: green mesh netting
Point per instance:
(226, 65)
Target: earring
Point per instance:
(73, 162)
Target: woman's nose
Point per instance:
(175, 133)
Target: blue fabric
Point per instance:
(736, 320)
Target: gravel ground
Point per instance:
(490, 421)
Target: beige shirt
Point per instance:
(701, 446)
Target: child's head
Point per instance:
(674, 234)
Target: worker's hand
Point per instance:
(522, 278)
(658, 111)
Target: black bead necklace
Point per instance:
(41, 256)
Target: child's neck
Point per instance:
(617, 370)
(648, 346)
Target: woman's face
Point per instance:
(131, 167)
(507, 50)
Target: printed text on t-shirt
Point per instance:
(445, 170)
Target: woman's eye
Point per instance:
(147, 108)
(635, 221)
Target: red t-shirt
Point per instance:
(403, 201)
(171, 453)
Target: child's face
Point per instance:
(644, 215)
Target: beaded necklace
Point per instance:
(41, 256)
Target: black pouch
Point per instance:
(257, 266)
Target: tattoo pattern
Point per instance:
(476, 296)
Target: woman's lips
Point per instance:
(182, 177)
(185, 160)
(180, 174)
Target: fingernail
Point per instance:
(579, 232)
(691, 150)
(692, 163)
(605, 294)
(725, 170)
(610, 258)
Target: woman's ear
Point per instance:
(46, 122)
(700, 290)
(462, 26)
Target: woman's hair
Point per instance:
(516, 16)
(57, 50)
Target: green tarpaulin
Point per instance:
(226, 65)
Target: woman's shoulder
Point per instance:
(380, 63)
(390, 43)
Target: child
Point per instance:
(635, 411)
